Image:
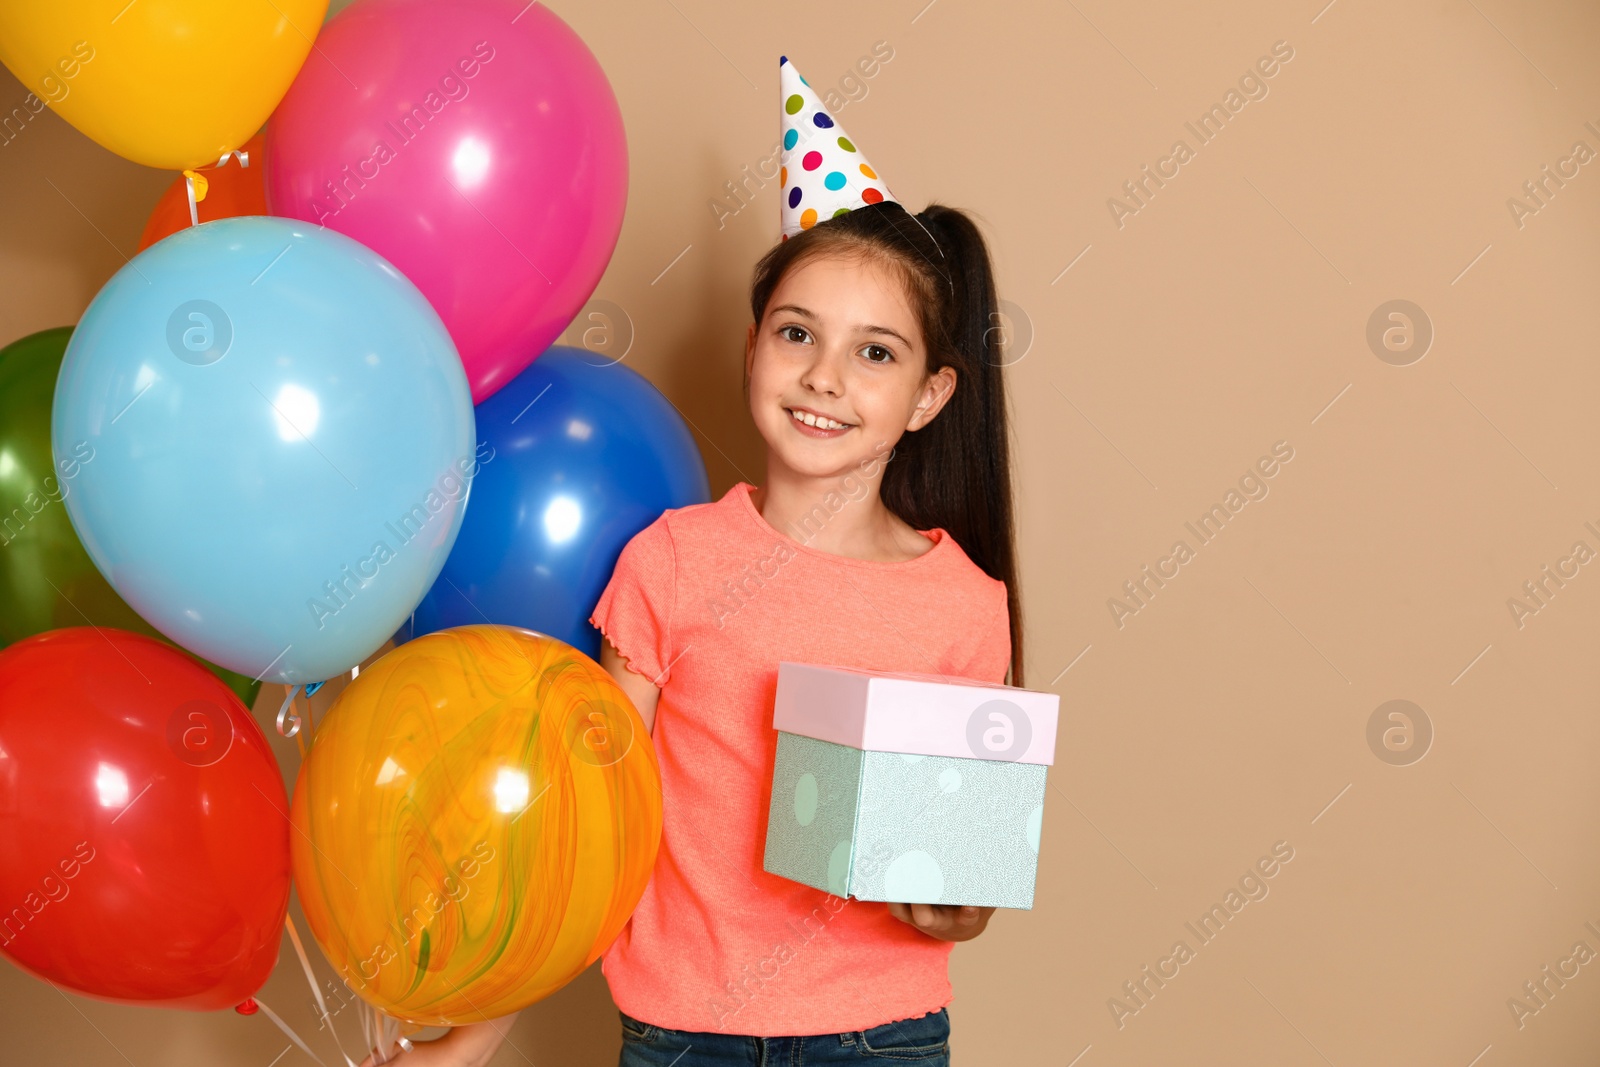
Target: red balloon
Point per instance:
(144, 829)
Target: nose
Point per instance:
(823, 374)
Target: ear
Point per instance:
(749, 351)
(935, 393)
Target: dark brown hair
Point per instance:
(955, 472)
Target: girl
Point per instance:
(882, 539)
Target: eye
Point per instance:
(888, 354)
(783, 331)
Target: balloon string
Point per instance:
(287, 1029)
(196, 185)
(305, 963)
(289, 722)
(381, 1030)
(392, 1034)
(311, 721)
(188, 184)
(286, 713)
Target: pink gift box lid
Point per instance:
(916, 714)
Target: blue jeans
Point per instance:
(924, 1041)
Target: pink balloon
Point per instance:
(476, 145)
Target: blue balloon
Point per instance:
(576, 456)
(268, 431)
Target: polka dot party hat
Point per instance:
(823, 173)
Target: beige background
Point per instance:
(1166, 355)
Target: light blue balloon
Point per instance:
(269, 426)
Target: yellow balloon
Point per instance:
(476, 820)
(168, 83)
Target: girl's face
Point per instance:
(839, 342)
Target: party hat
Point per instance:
(823, 173)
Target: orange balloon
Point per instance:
(476, 821)
(231, 189)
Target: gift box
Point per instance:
(915, 788)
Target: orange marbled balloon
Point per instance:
(476, 819)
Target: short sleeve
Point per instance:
(993, 656)
(635, 609)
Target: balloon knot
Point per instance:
(249, 1007)
(199, 183)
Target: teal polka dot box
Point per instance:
(913, 788)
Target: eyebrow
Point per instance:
(804, 313)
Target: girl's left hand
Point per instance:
(467, 1045)
(944, 921)
(421, 1054)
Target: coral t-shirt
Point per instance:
(706, 601)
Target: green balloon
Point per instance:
(47, 580)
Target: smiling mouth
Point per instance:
(817, 422)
